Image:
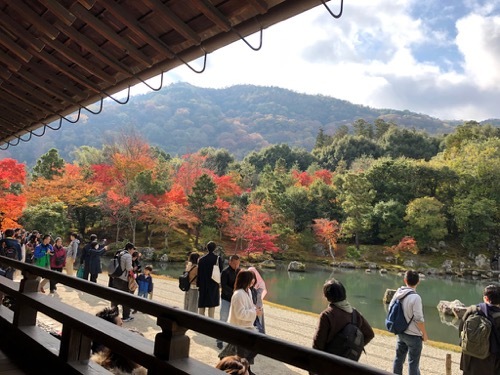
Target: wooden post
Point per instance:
(172, 342)
(448, 364)
(26, 315)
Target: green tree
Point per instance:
(47, 217)
(218, 160)
(399, 142)
(426, 222)
(477, 220)
(357, 197)
(201, 203)
(363, 128)
(322, 139)
(48, 165)
(388, 220)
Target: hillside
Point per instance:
(182, 118)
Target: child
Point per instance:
(145, 282)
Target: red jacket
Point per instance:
(58, 258)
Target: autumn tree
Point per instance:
(12, 198)
(407, 245)
(327, 231)
(78, 194)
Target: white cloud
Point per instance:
(368, 57)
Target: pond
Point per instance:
(365, 291)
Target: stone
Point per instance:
(347, 265)
(372, 266)
(319, 249)
(389, 293)
(434, 250)
(441, 244)
(163, 258)
(147, 253)
(368, 270)
(382, 271)
(295, 266)
(482, 262)
(268, 264)
(389, 259)
(451, 308)
(410, 263)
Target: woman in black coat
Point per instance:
(209, 294)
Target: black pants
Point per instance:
(53, 283)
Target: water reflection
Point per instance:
(365, 291)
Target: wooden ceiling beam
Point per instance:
(65, 71)
(13, 95)
(93, 48)
(49, 88)
(110, 34)
(15, 48)
(29, 39)
(60, 11)
(10, 107)
(177, 24)
(139, 29)
(11, 63)
(35, 19)
(259, 5)
(87, 4)
(213, 14)
(83, 63)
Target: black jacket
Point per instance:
(227, 279)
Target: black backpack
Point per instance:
(349, 342)
(8, 251)
(184, 281)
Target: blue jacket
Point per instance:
(145, 283)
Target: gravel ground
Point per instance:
(282, 322)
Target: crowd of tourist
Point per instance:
(240, 294)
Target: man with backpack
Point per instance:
(480, 335)
(119, 280)
(10, 248)
(410, 340)
(342, 330)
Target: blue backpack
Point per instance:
(396, 321)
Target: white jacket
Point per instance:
(242, 311)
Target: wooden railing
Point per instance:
(167, 354)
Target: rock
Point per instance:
(459, 311)
(410, 263)
(163, 258)
(295, 266)
(147, 253)
(475, 273)
(268, 264)
(372, 266)
(382, 271)
(347, 265)
(434, 250)
(448, 308)
(319, 249)
(441, 244)
(448, 263)
(389, 293)
(421, 275)
(389, 259)
(482, 262)
(368, 270)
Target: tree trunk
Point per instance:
(117, 230)
(330, 249)
(356, 239)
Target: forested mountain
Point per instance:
(181, 119)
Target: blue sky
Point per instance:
(438, 57)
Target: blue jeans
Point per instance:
(413, 346)
(224, 311)
(143, 294)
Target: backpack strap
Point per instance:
(401, 300)
(494, 340)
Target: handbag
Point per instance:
(79, 273)
(132, 284)
(216, 272)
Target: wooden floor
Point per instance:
(7, 367)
